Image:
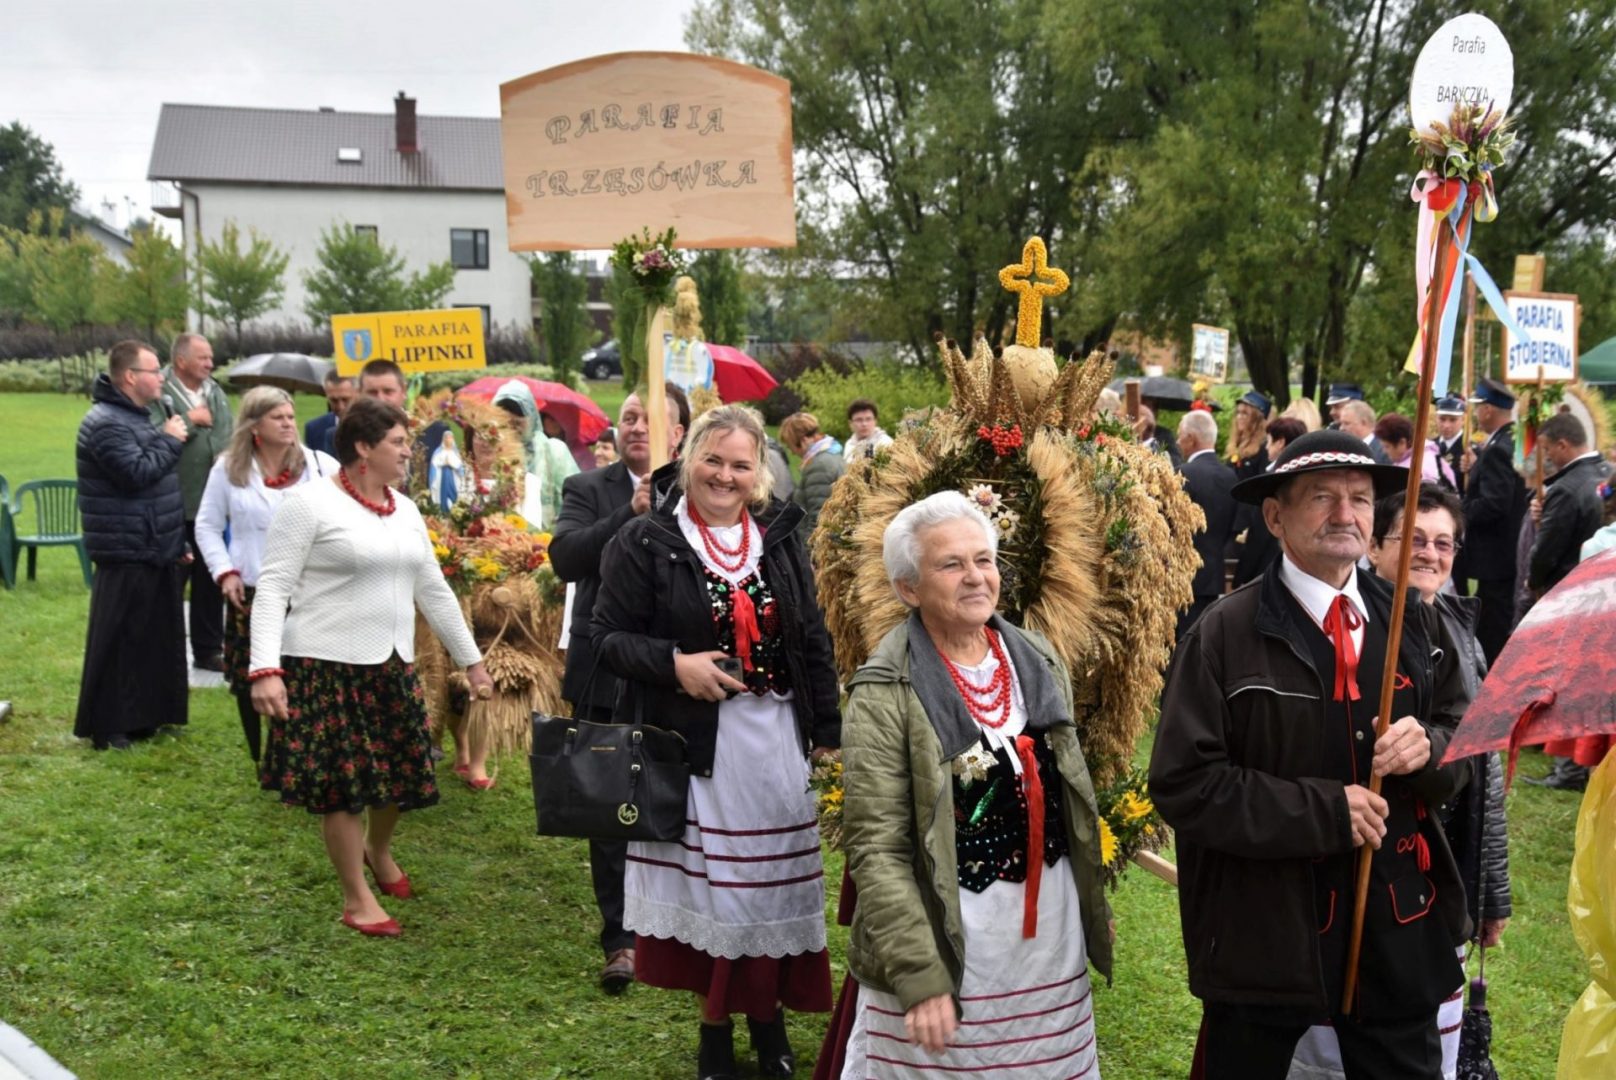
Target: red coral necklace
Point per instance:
(381, 509)
(730, 559)
(284, 479)
(988, 704)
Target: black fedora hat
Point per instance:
(1318, 451)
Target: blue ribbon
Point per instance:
(1450, 303)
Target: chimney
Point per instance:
(404, 124)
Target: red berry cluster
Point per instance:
(1006, 441)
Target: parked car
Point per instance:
(603, 362)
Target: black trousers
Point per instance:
(207, 603)
(1250, 1043)
(251, 725)
(1497, 617)
(608, 860)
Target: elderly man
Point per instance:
(1207, 481)
(1262, 766)
(594, 505)
(1339, 394)
(321, 432)
(1494, 505)
(188, 391)
(134, 526)
(1358, 420)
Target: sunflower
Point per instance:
(1108, 843)
(1134, 808)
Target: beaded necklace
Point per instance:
(989, 705)
(284, 479)
(381, 509)
(730, 559)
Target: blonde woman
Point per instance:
(707, 613)
(245, 486)
(1303, 409)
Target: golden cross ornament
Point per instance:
(1023, 278)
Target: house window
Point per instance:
(468, 248)
(368, 232)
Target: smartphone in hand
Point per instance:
(731, 666)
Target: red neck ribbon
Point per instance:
(1339, 624)
(1033, 787)
(746, 624)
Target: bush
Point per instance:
(434, 381)
(789, 363)
(69, 375)
(895, 388)
(29, 342)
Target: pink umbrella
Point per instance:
(737, 376)
(580, 418)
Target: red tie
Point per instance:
(1339, 624)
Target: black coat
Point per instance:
(1453, 454)
(1254, 547)
(1207, 480)
(653, 599)
(1494, 503)
(1235, 772)
(594, 506)
(1572, 512)
(129, 482)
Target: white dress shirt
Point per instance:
(1317, 597)
(340, 582)
(245, 512)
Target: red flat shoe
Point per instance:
(399, 889)
(462, 771)
(480, 785)
(385, 928)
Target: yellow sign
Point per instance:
(417, 341)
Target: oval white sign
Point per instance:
(1467, 60)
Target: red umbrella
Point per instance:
(581, 419)
(737, 376)
(1552, 681)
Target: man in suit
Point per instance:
(1341, 393)
(1494, 504)
(1450, 411)
(1358, 418)
(594, 505)
(1207, 481)
(321, 432)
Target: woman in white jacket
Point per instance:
(263, 462)
(333, 644)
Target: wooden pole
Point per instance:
(656, 394)
(1130, 399)
(1405, 553)
(1537, 443)
(1469, 357)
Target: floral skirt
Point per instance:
(238, 643)
(355, 736)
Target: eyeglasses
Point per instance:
(146, 370)
(1441, 545)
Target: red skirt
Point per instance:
(752, 984)
(1586, 750)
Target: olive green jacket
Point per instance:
(202, 444)
(898, 828)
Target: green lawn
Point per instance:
(159, 916)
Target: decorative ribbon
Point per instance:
(1437, 196)
(1339, 624)
(1032, 786)
(744, 613)
(1517, 733)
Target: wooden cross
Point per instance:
(1023, 278)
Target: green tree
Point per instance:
(724, 306)
(150, 292)
(628, 323)
(358, 273)
(236, 285)
(565, 327)
(30, 177)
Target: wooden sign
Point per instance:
(1529, 273)
(1550, 356)
(1209, 353)
(1467, 61)
(448, 340)
(597, 149)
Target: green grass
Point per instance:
(159, 916)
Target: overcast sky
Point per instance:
(89, 76)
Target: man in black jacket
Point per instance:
(1494, 504)
(594, 506)
(1450, 414)
(1262, 766)
(133, 517)
(1571, 510)
(1207, 481)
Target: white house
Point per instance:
(430, 186)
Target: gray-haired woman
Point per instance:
(970, 827)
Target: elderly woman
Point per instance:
(333, 639)
(263, 461)
(960, 748)
(707, 612)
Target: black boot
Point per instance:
(1566, 775)
(716, 1058)
(773, 1049)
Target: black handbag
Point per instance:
(608, 781)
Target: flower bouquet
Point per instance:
(651, 261)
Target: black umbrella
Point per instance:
(1476, 1032)
(289, 371)
(1162, 392)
